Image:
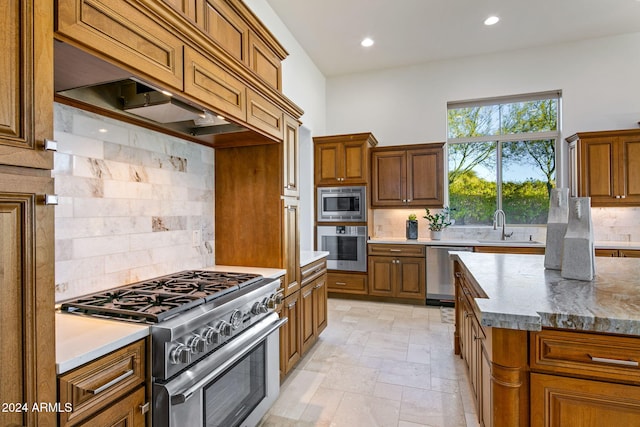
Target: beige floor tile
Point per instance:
(356, 410)
(432, 408)
(350, 378)
(377, 364)
(323, 406)
(407, 374)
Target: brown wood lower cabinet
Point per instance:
(290, 334)
(399, 273)
(569, 402)
(550, 378)
(307, 313)
(109, 391)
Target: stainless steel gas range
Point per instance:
(214, 339)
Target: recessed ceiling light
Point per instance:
(103, 130)
(366, 42)
(491, 20)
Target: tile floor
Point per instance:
(378, 364)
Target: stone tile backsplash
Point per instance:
(130, 201)
(610, 224)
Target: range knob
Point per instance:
(274, 300)
(236, 319)
(197, 344)
(224, 328)
(258, 308)
(180, 354)
(211, 335)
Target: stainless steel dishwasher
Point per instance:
(440, 287)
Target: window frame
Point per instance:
(498, 139)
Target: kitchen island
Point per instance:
(546, 351)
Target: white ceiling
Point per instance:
(408, 32)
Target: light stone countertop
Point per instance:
(81, 339)
(522, 295)
(505, 243)
(307, 257)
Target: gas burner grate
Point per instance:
(158, 299)
(136, 305)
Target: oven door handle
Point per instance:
(183, 396)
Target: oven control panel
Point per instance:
(209, 330)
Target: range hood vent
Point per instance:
(88, 81)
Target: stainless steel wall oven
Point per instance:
(347, 246)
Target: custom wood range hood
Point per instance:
(213, 77)
(85, 81)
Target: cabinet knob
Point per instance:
(51, 199)
(409, 200)
(145, 408)
(50, 145)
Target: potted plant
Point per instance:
(412, 227)
(437, 222)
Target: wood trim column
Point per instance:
(509, 377)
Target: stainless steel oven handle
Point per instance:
(183, 396)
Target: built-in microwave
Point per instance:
(347, 246)
(342, 204)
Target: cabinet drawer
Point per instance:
(586, 355)
(312, 271)
(396, 250)
(100, 383)
(347, 283)
(129, 411)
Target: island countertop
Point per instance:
(522, 295)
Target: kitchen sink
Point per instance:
(518, 242)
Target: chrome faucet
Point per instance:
(497, 216)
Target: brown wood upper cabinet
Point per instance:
(228, 25)
(342, 159)
(213, 53)
(26, 86)
(411, 175)
(123, 33)
(606, 167)
(27, 252)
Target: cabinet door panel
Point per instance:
(264, 62)
(599, 158)
(424, 177)
(264, 115)
(307, 326)
(122, 33)
(226, 28)
(355, 161)
(26, 297)
(381, 275)
(320, 304)
(411, 281)
(388, 172)
(26, 86)
(213, 85)
(569, 402)
(291, 247)
(12, 248)
(327, 165)
(290, 154)
(290, 334)
(631, 164)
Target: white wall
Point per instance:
(598, 78)
(305, 85)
